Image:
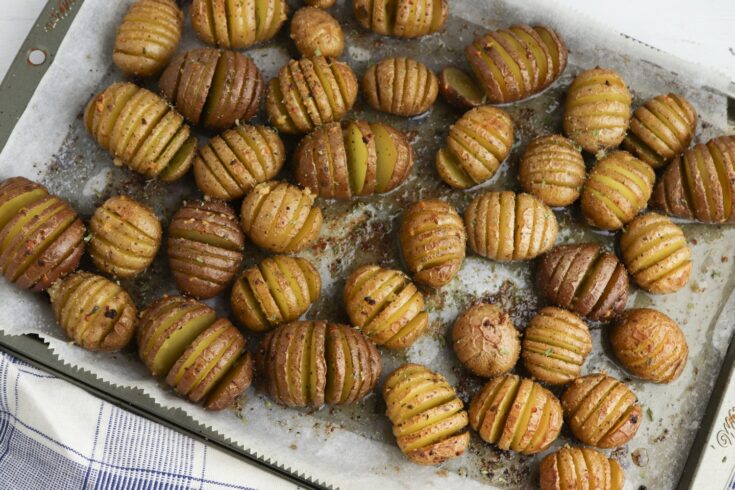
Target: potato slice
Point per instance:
(174, 343)
(232, 384)
(357, 157)
(459, 89)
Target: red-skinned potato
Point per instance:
(237, 25)
(571, 468)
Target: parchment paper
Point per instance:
(352, 447)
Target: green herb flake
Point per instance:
(548, 352)
(649, 413)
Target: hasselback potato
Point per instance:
(95, 313)
(552, 169)
(432, 239)
(386, 306)
(361, 159)
(124, 237)
(277, 290)
(316, 33)
(310, 92)
(315, 362)
(41, 237)
(321, 4)
(515, 63)
(238, 24)
(601, 411)
(400, 86)
(476, 146)
(428, 418)
(585, 279)
(141, 131)
(573, 468)
(516, 414)
(459, 89)
(509, 226)
(401, 18)
(232, 163)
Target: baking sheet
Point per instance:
(352, 447)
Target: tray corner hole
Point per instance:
(36, 56)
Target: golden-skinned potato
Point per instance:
(400, 86)
(237, 25)
(486, 341)
(147, 37)
(573, 468)
(601, 411)
(432, 239)
(617, 189)
(312, 363)
(320, 4)
(277, 290)
(556, 343)
(552, 169)
(212, 87)
(401, 18)
(310, 92)
(660, 129)
(516, 414)
(656, 253)
(358, 160)
(476, 146)
(316, 33)
(95, 313)
(650, 345)
(428, 418)
(585, 279)
(700, 183)
(41, 237)
(515, 63)
(232, 163)
(597, 110)
(509, 226)
(205, 247)
(386, 306)
(280, 217)
(233, 384)
(124, 237)
(459, 89)
(141, 131)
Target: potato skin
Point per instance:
(650, 345)
(400, 86)
(570, 468)
(125, 237)
(95, 313)
(386, 306)
(147, 37)
(601, 411)
(321, 4)
(432, 228)
(496, 413)
(459, 89)
(641, 245)
(316, 33)
(442, 412)
(397, 19)
(509, 226)
(237, 25)
(552, 169)
(232, 384)
(486, 341)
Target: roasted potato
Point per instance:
(280, 217)
(556, 343)
(239, 24)
(485, 340)
(656, 253)
(460, 89)
(141, 131)
(660, 129)
(572, 468)
(617, 189)
(597, 110)
(310, 92)
(205, 247)
(358, 160)
(401, 18)
(650, 345)
(400, 86)
(552, 169)
(315, 362)
(95, 313)
(277, 290)
(386, 306)
(700, 183)
(232, 163)
(428, 418)
(124, 237)
(516, 414)
(147, 37)
(585, 279)
(232, 385)
(41, 237)
(316, 33)
(601, 411)
(432, 239)
(476, 146)
(509, 226)
(515, 63)
(320, 4)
